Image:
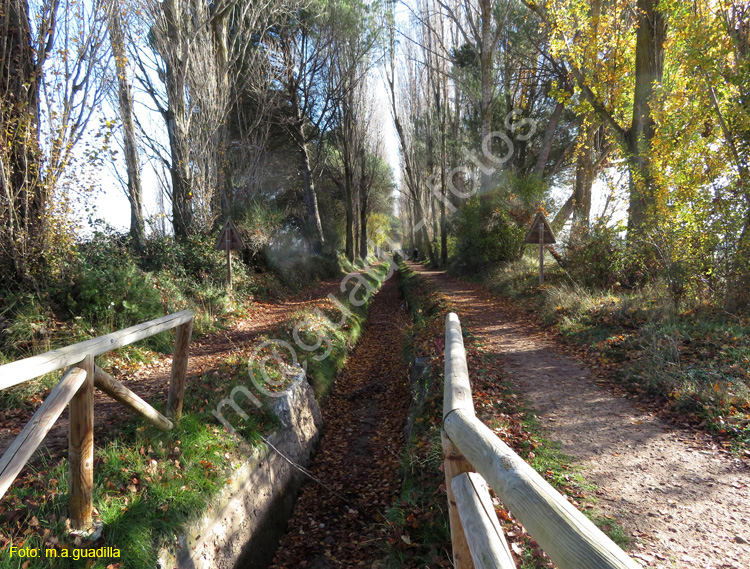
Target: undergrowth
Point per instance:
(692, 357)
(107, 286)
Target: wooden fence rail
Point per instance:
(77, 389)
(570, 539)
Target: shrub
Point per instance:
(110, 290)
(486, 235)
(162, 253)
(258, 222)
(594, 255)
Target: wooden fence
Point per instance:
(473, 454)
(77, 388)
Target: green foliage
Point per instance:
(194, 258)
(110, 291)
(148, 483)
(486, 236)
(594, 255)
(257, 222)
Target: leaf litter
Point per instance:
(360, 452)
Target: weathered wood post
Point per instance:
(117, 391)
(457, 396)
(229, 260)
(179, 370)
(541, 254)
(229, 239)
(81, 450)
(540, 232)
(489, 548)
(454, 465)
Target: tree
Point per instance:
(580, 30)
(205, 56)
(409, 107)
(306, 44)
(354, 60)
(50, 85)
(481, 25)
(134, 190)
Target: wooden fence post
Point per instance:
(489, 548)
(455, 464)
(179, 370)
(81, 450)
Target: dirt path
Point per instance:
(151, 381)
(360, 452)
(685, 503)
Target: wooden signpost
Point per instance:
(228, 240)
(540, 232)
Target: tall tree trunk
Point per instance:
(584, 177)
(444, 197)
(357, 252)
(487, 78)
(562, 216)
(548, 140)
(127, 114)
(24, 197)
(424, 236)
(312, 213)
(349, 199)
(311, 198)
(363, 229)
(738, 293)
(220, 37)
(177, 121)
(649, 70)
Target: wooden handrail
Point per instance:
(77, 388)
(570, 539)
(30, 368)
(457, 395)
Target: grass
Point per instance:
(421, 513)
(418, 522)
(149, 484)
(313, 338)
(692, 358)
